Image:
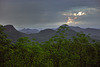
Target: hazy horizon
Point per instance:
(20, 28)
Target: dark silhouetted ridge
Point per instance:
(9, 28)
(13, 33)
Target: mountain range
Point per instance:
(94, 33)
(46, 34)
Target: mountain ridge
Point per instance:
(46, 34)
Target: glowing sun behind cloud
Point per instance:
(73, 17)
(71, 20)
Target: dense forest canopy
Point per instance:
(58, 51)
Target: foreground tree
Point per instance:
(86, 51)
(4, 46)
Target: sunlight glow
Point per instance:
(73, 16)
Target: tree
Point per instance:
(97, 46)
(86, 51)
(4, 43)
(25, 53)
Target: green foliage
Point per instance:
(4, 46)
(57, 52)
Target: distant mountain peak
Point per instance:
(29, 31)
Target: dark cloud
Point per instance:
(43, 13)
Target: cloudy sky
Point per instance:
(50, 13)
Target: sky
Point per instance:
(50, 13)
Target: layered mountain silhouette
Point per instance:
(46, 34)
(29, 31)
(14, 34)
(94, 33)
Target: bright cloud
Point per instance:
(73, 15)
